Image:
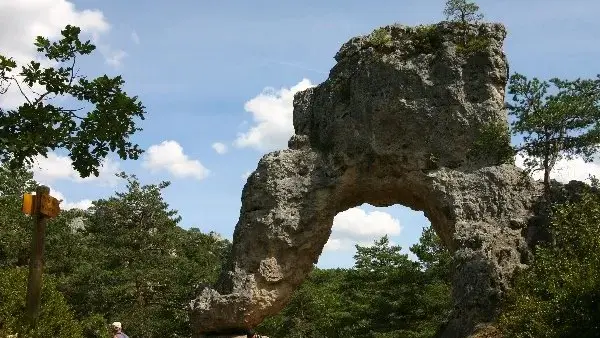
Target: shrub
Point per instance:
(380, 38)
(559, 295)
(493, 141)
(56, 318)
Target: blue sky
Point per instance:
(195, 64)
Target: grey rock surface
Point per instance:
(395, 123)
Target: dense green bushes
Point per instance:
(56, 318)
(559, 295)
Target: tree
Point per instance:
(390, 296)
(434, 257)
(39, 125)
(559, 294)
(462, 11)
(138, 266)
(317, 309)
(565, 124)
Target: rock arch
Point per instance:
(395, 123)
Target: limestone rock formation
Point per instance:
(399, 121)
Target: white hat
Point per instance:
(116, 325)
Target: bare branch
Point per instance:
(20, 89)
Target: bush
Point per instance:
(559, 295)
(493, 141)
(426, 39)
(56, 318)
(380, 38)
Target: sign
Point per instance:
(49, 206)
(28, 204)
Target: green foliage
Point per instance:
(559, 295)
(95, 326)
(473, 44)
(124, 259)
(434, 257)
(465, 13)
(380, 37)
(385, 294)
(56, 318)
(426, 39)
(391, 296)
(493, 141)
(38, 125)
(136, 266)
(14, 225)
(462, 11)
(317, 309)
(565, 124)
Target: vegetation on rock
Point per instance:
(493, 142)
(380, 38)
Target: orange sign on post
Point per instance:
(42, 206)
(49, 206)
(28, 204)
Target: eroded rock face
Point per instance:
(396, 122)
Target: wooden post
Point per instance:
(36, 260)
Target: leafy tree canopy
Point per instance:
(554, 126)
(39, 125)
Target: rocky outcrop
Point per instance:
(400, 120)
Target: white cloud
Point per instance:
(357, 226)
(272, 112)
(169, 156)
(566, 170)
(219, 147)
(55, 167)
(113, 58)
(135, 37)
(66, 205)
(28, 19)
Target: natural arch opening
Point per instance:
(365, 224)
(383, 271)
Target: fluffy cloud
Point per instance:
(566, 170)
(55, 167)
(169, 156)
(356, 225)
(219, 147)
(29, 18)
(67, 205)
(272, 114)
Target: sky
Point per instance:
(217, 79)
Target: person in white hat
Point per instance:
(118, 330)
